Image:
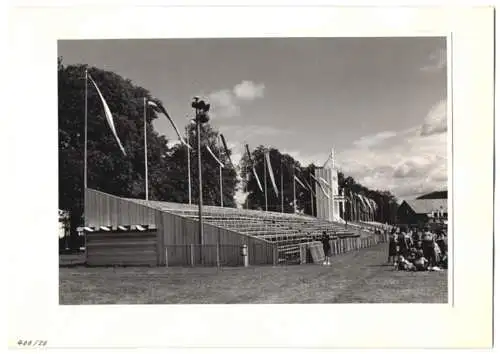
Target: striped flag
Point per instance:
(159, 107)
(368, 201)
(109, 116)
(354, 206)
(310, 188)
(362, 204)
(365, 200)
(215, 157)
(321, 186)
(271, 173)
(299, 181)
(253, 168)
(325, 182)
(372, 205)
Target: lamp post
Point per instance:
(201, 116)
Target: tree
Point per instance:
(108, 170)
(281, 164)
(354, 209)
(178, 170)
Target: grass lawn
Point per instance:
(357, 277)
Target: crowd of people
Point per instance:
(418, 249)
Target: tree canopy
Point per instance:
(282, 164)
(304, 198)
(107, 168)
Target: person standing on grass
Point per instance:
(393, 247)
(409, 239)
(325, 240)
(404, 247)
(428, 247)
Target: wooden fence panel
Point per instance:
(178, 230)
(103, 209)
(108, 248)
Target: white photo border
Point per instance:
(34, 310)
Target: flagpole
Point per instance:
(265, 177)
(294, 191)
(281, 172)
(245, 185)
(220, 178)
(189, 163)
(85, 151)
(247, 175)
(146, 184)
(353, 205)
(219, 141)
(335, 205)
(312, 200)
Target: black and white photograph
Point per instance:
(249, 177)
(322, 165)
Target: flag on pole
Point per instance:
(321, 186)
(226, 150)
(310, 188)
(368, 206)
(215, 157)
(109, 116)
(253, 168)
(365, 204)
(370, 201)
(325, 182)
(271, 173)
(362, 203)
(299, 182)
(159, 107)
(367, 201)
(354, 206)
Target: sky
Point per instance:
(379, 102)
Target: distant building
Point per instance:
(424, 210)
(434, 195)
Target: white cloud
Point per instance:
(305, 160)
(412, 164)
(436, 120)
(247, 90)
(436, 61)
(226, 103)
(370, 140)
(243, 133)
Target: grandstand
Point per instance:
(283, 233)
(286, 231)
